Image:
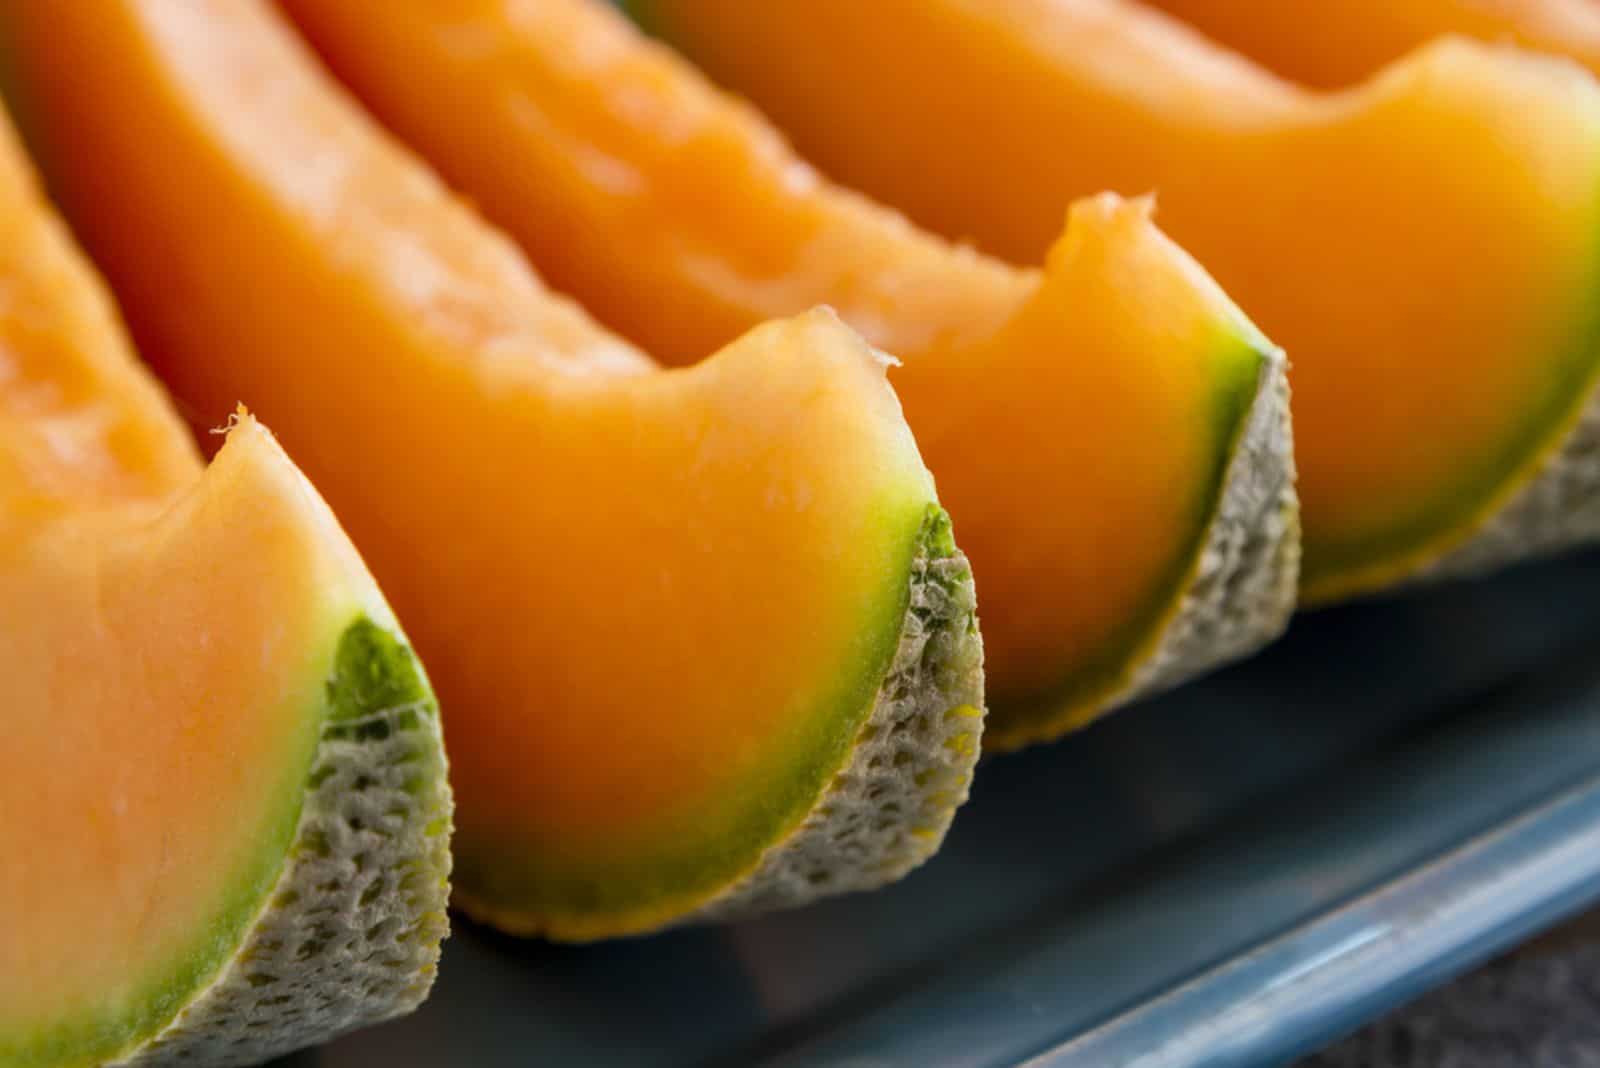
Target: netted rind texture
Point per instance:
(1243, 589)
(351, 932)
(1557, 509)
(889, 808)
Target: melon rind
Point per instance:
(1240, 588)
(1555, 508)
(887, 808)
(351, 932)
(1241, 593)
(911, 766)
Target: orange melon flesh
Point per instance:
(146, 829)
(657, 606)
(1078, 419)
(1338, 42)
(1440, 320)
(166, 634)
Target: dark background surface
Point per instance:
(1536, 1007)
(1236, 873)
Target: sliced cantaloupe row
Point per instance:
(1335, 43)
(1109, 433)
(223, 804)
(1425, 247)
(705, 641)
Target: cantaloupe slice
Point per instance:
(1426, 247)
(1334, 43)
(223, 807)
(1109, 434)
(704, 638)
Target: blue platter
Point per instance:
(1233, 874)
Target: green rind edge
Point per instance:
(1334, 570)
(1099, 681)
(597, 898)
(372, 672)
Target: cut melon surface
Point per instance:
(213, 855)
(704, 639)
(1109, 432)
(1440, 319)
(1334, 43)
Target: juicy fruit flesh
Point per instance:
(127, 815)
(160, 701)
(165, 633)
(1032, 394)
(79, 418)
(1438, 319)
(632, 589)
(633, 175)
(1339, 42)
(1106, 516)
